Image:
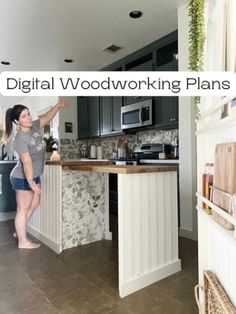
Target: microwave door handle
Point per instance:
(141, 115)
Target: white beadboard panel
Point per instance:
(217, 249)
(108, 234)
(218, 254)
(45, 224)
(148, 229)
(149, 278)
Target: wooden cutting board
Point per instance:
(224, 173)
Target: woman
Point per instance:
(25, 176)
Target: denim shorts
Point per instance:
(22, 184)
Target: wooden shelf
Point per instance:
(216, 107)
(229, 234)
(217, 125)
(219, 211)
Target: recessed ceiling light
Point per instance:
(5, 63)
(135, 14)
(68, 60)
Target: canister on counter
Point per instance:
(99, 152)
(93, 152)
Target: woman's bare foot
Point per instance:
(28, 245)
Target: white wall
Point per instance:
(69, 115)
(39, 105)
(187, 140)
(36, 105)
(216, 246)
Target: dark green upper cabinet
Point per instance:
(93, 113)
(160, 55)
(83, 125)
(110, 114)
(166, 108)
(88, 117)
(144, 63)
(105, 114)
(166, 112)
(166, 54)
(116, 114)
(170, 66)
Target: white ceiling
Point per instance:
(40, 34)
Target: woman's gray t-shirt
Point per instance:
(29, 142)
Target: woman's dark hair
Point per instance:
(12, 115)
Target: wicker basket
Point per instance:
(216, 300)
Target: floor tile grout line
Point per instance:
(67, 294)
(5, 243)
(102, 291)
(41, 292)
(119, 304)
(37, 289)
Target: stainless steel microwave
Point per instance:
(136, 115)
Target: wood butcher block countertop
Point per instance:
(107, 166)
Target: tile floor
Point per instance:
(84, 280)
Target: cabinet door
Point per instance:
(7, 195)
(166, 108)
(93, 113)
(170, 66)
(166, 53)
(105, 115)
(146, 66)
(166, 112)
(83, 123)
(116, 114)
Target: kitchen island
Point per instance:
(74, 211)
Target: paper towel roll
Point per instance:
(93, 151)
(99, 152)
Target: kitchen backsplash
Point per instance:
(72, 149)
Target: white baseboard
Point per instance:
(187, 234)
(56, 247)
(7, 216)
(149, 278)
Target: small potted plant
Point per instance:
(51, 145)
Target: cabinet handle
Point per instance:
(0, 184)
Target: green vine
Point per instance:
(197, 41)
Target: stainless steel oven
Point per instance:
(137, 115)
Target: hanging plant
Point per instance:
(197, 41)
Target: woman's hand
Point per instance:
(48, 116)
(34, 187)
(63, 104)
